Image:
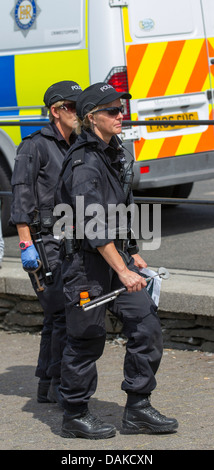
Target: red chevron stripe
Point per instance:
(166, 68)
(199, 73)
(134, 58)
(211, 54)
(138, 147)
(169, 147)
(206, 141)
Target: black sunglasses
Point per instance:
(68, 107)
(112, 111)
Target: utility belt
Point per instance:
(47, 220)
(70, 246)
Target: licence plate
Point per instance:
(161, 127)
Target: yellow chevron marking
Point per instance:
(207, 84)
(151, 149)
(188, 144)
(134, 116)
(184, 67)
(211, 41)
(127, 34)
(147, 69)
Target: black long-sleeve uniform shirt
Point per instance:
(37, 166)
(97, 181)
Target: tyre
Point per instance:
(180, 191)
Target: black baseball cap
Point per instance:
(65, 90)
(94, 95)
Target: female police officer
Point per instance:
(94, 174)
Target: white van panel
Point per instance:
(57, 25)
(208, 15)
(170, 68)
(164, 20)
(173, 105)
(104, 39)
(152, 18)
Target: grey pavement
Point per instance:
(184, 390)
(185, 380)
(185, 291)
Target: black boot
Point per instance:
(42, 391)
(141, 418)
(54, 395)
(86, 425)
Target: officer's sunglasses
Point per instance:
(112, 111)
(68, 107)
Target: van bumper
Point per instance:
(173, 170)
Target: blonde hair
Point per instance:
(56, 105)
(85, 123)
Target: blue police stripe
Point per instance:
(27, 130)
(7, 89)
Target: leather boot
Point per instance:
(42, 391)
(86, 425)
(141, 418)
(54, 395)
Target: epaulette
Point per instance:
(78, 156)
(30, 136)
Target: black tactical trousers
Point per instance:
(53, 336)
(86, 332)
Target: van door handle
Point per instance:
(212, 61)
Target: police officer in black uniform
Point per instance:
(37, 166)
(95, 173)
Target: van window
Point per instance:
(39, 24)
(159, 18)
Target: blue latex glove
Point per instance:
(29, 257)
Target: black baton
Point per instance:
(38, 241)
(103, 299)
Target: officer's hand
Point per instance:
(29, 257)
(132, 281)
(139, 262)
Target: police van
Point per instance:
(161, 51)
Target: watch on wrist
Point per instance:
(23, 245)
